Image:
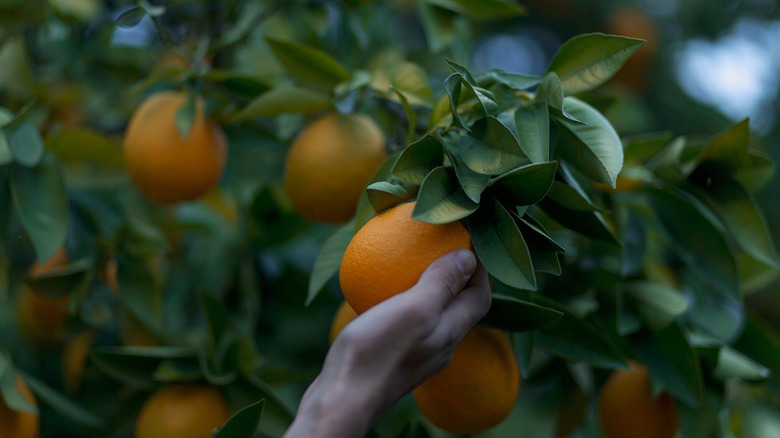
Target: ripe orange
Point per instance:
(14, 424)
(626, 407)
(164, 166)
(634, 22)
(344, 315)
(41, 317)
(391, 251)
(329, 165)
(178, 410)
(478, 388)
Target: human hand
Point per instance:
(393, 347)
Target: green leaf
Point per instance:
(640, 148)
(285, 99)
(516, 315)
(309, 66)
(485, 98)
(500, 246)
(472, 183)
(441, 200)
(514, 80)
(712, 312)
(76, 145)
(724, 154)
(408, 78)
(696, 240)
(329, 259)
(597, 151)
(743, 219)
(216, 318)
(525, 185)
(482, 10)
(61, 404)
(6, 156)
(185, 115)
(457, 68)
(533, 129)
(25, 142)
(384, 195)
(130, 18)
(658, 303)
(587, 61)
(536, 236)
(573, 338)
(411, 116)
(491, 148)
(9, 393)
(761, 342)
(243, 423)
(673, 364)
(756, 171)
(150, 9)
(524, 348)
(567, 207)
(58, 281)
(452, 87)
(239, 84)
(438, 25)
(701, 422)
(734, 365)
(42, 204)
(418, 159)
(136, 365)
(141, 292)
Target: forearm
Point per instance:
(333, 409)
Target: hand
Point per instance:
(393, 347)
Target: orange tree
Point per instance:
(192, 259)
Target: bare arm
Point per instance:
(393, 347)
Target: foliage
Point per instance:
(601, 246)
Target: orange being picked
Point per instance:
(181, 410)
(329, 165)
(165, 167)
(478, 388)
(344, 315)
(627, 408)
(41, 317)
(391, 251)
(16, 424)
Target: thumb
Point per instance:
(446, 276)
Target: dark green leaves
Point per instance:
(587, 61)
(418, 159)
(308, 65)
(329, 259)
(501, 247)
(593, 147)
(482, 9)
(42, 203)
(525, 185)
(533, 129)
(569, 208)
(725, 154)
(491, 148)
(696, 240)
(285, 99)
(513, 314)
(243, 424)
(441, 200)
(25, 142)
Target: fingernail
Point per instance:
(466, 262)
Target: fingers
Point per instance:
(445, 278)
(465, 310)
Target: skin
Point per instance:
(393, 347)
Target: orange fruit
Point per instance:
(627, 409)
(74, 358)
(41, 317)
(15, 424)
(634, 22)
(344, 315)
(329, 165)
(179, 410)
(165, 167)
(391, 251)
(478, 388)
